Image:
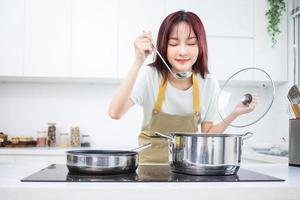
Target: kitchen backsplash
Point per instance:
(28, 107)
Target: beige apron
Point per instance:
(165, 123)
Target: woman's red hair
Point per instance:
(165, 29)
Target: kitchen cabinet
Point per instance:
(134, 17)
(231, 18)
(228, 55)
(230, 39)
(94, 38)
(11, 37)
(237, 37)
(230, 33)
(47, 38)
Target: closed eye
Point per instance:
(173, 44)
(192, 41)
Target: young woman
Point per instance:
(169, 104)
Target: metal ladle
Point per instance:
(177, 75)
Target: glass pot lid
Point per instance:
(240, 88)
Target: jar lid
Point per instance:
(41, 134)
(75, 127)
(41, 131)
(85, 135)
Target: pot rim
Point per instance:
(100, 153)
(207, 134)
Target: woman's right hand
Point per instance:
(143, 47)
(121, 102)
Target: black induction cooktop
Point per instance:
(144, 173)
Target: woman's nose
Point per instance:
(182, 50)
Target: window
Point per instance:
(296, 41)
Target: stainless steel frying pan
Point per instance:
(103, 161)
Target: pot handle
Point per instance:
(142, 147)
(247, 136)
(170, 138)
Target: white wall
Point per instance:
(28, 107)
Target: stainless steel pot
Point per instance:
(103, 161)
(205, 154)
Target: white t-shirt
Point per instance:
(176, 101)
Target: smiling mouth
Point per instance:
(182, 60)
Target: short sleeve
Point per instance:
(139, 91)
(212, 114)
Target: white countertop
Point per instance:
(265, 158)
(12, 189)
(51, 151)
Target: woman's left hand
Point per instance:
(240, 108)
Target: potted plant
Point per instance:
(277, 8)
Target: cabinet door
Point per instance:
(94, 38)
(11, 37)
(228, 55)
(47, 38)
(229, 29)
(272, 60)
(232, 18)
(136, 16)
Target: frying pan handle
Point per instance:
(164, 135)
(170, 138)
(142, 147)
(247, 136)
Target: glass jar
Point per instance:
(85, 140)
(64, 139)
(75, 136)
(41, 139)
(51, 134)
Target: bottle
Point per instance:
(64, 139)
(41, 139)
(51, 134)
(85, 140)
(75, 136)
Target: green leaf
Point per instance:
(276, 10)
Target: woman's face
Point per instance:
(183, 48)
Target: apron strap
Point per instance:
(196, 94)
(161, 94)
